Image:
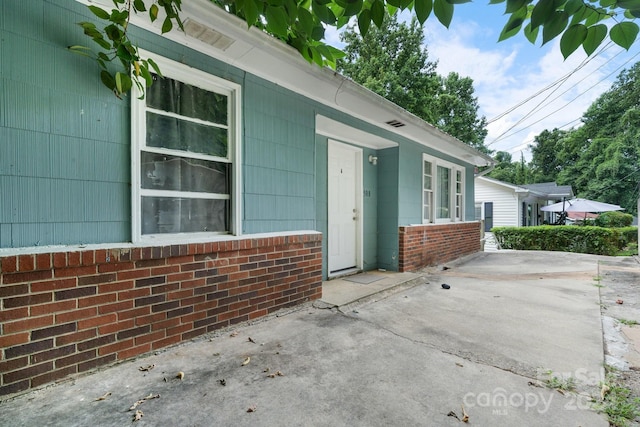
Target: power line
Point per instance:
(549, 86)
(504, 134)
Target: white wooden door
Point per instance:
(344, 215)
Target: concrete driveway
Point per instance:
(414, 358)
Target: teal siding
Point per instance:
(388, 208)
(370, 208)
(64, 139)
(322, 204)
(279, 159)
(410, 184)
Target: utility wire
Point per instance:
(550, 85)
(504, 134)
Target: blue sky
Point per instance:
(506, 74)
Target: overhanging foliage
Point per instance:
(301, 24)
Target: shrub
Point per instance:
(568, 238)
(614, 220)
(628, 235)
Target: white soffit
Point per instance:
(264, 56)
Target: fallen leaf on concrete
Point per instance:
(604, 390)
(141, 401)
(453, 414)
(534, 384)
(465, 416)
(251, 340)
(246, 361)
(233, 334)
(138, 415)
(459, 364)
(135, 405)
(223, 382)
(103, 397)
(252, 408)
(266, 369)
(619, 301)
(146, 368)
(276, 374)
(180, 375)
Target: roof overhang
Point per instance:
(216, 33)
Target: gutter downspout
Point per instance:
(491, 167)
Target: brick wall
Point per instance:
(424, 245)
(65, 313)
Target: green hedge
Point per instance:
(613, 219)
(567, 238)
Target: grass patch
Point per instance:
(619, 404)
(628, 322)
(630, 250)
(564, 384)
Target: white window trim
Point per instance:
(435, 162)
(205, 81)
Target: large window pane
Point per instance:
(173, 173)
(176, 134)
(443, 203)
(186, 100)
(162, 215)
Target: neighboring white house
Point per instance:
(501, 204)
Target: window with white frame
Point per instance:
(185, 142)
(443, 191)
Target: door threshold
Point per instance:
(342, 273)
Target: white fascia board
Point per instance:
(507, 185)
(260, 54)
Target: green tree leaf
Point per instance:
(305, 19)
(531, 35)
(514, 24)
(155, 67)
(153, 12)
(515, 5)
(99, 12)
(364, 21)
(324, 13)
(277, 21)
(595, 36)
(123, 82)
(542, 11)
(628, 4)
(423, 9)
(107, 79)
(572, 39)
(573, 6)
(554, 26)
(251, 11)
(632, 14)
(443, 11)
(353, 7)
(624, 34)
(377, 12)
(167, 25)
(139, 5)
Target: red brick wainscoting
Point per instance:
(63, 313)
(424, 245)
